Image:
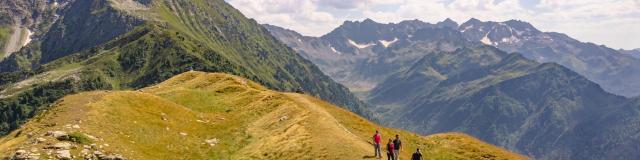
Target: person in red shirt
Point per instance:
(376, 144)
(390, 149)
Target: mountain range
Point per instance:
(615, 72)
(129, 79)
(442, 77)
(362, 43)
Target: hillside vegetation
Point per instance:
(198, 115)
(134, 44)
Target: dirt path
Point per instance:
(302, 130)
(327, 125)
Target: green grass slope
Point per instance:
(159, 39)
(199, 115)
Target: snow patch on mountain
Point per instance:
(388, 43)
(466, 28)
(512, 39)
(486, 39)
(27, 38)
(335, 51)
(360, 46)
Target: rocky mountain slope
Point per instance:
(615, 72)
(199, 115)
(129, 44)
(535, 109)
(351, 52)
(19, 20)
(362, 54)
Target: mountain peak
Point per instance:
(521, 25)
(448, 23)
(414, 22)
(472, 20)
(368, 20)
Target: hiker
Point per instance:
(376, 144)
(397, 147)
(390, 155)
(417, 155)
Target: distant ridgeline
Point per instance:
(125, 44)
(443, 77)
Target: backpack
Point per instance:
(416, 156)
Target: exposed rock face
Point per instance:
(31, 13)
(33, 16)
(83, 27)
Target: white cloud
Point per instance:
(341, 4)
(615, 23)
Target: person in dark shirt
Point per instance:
(417, 155)
(390, 155)
(397, 147)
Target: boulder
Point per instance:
(56, 133)
(63, 154)
(21, 155)
(212, 142)
(34, 156)
(40, 140)
(163, 116)
(60, 135)
(283, 118)
(60, 145)
(98, 154)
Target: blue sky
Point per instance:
(615, 23)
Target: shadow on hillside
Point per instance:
(369, 157)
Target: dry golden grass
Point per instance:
(250, 122)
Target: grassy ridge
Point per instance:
(173, 120)
(178, 35)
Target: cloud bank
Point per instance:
(615, 23)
